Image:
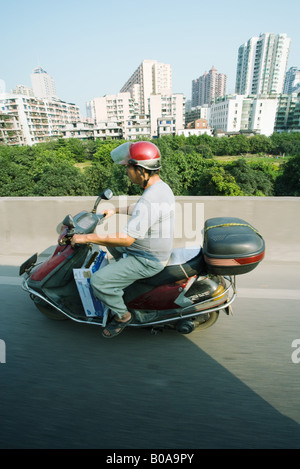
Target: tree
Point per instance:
(185, 169)
(14, 181)
(61, 180)
(216, 181)
(239, 144)
(288, 183)
(204, 150)
(286, 143)
(251, 181)
(104, 149)
(260, 144)
(222, 146)
(100, 176)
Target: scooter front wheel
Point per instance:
(48, 311)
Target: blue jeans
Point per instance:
(109, 282)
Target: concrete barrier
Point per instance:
(31, 224)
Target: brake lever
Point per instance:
(66, 237)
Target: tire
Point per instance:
(206, 320)
(49, 311)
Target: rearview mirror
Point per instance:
(107, 194)
(69, 222)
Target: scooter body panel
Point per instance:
(46, 268)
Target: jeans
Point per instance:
(109, 282)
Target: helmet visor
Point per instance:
(120, 155)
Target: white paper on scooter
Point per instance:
(183, 255)
(93, 307)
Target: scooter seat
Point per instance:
(173, 273)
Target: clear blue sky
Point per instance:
(91, 47)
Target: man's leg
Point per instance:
(108, 283)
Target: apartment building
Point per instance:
(261, 64)
(136, 128)
(84, 130)
(209, 86)
(288, 113)
(238, 113)
(108, 131)
(198, 112)
(151, 77)
(79, 130)
(113, 107)
(122, 110)
(10, 131)
(167, 114)
(39, 119)
(24, 90)
(145, 106)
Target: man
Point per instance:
(143, 247)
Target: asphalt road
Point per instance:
(234, 385)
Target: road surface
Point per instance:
(235, 385)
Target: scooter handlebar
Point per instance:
(68, 231)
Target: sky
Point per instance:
(92, 47)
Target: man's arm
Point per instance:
(119, 210)
(113, 240)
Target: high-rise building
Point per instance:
(208, 87)
(42, 83)
(292, 80)
(151, 77)
(261, 64)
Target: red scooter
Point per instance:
(189, 292)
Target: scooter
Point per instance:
(188, 293)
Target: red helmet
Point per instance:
(144, 154)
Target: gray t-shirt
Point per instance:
(152, 223)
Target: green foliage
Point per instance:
(14, 181)
(216, 181)
(260, 144)
(61, 180)
(288, 183)
(188, 166)
(286, 143)
(43, 170)
(251, 180)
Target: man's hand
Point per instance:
(109, 213)
(78, 239)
